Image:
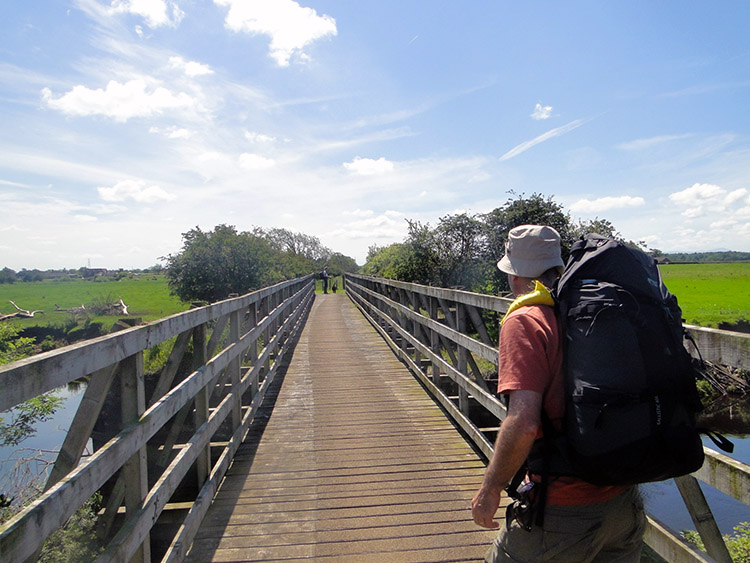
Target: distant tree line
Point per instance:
(11, 276)
(462, 250)
(705, 257)
(215, 264)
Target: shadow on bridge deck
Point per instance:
(355, 462)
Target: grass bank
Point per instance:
(146, 296)
(710, 293)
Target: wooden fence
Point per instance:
(449, 340)
(158, 469)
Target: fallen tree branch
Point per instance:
(22, 313)
(74, 310)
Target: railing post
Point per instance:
(461, 364)
(135, 470)
(434, 341)
(234, 370)
(252, 355)
(203, 463)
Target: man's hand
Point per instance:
(483, 507)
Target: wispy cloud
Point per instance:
(701, 89)
(551, 134)
(644, 144)
(157, 13)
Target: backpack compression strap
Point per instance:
(539, 296)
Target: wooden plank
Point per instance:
(354, 461)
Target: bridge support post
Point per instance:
(434, 341)
(703, 518)
(252, 353)
(234, 371)
(203, 463)
(462, 363)
(135, 470)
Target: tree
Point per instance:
(297, 244)
(519, 210)
(458, 240)
(7, 276)
(390, 261)
(214, 264)
(339, 264)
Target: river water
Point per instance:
(43, 445)
(731, 418)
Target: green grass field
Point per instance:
(710, 293)
(145, 297)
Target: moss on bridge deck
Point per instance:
(354, 463)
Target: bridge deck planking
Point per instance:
(354, 462)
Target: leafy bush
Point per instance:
(76, 540)
(738, 543)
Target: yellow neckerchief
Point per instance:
(539, 296)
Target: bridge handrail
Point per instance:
(230, 374)
(426, 323)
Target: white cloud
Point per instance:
(369, 166)
(388, 225)
(360, 212)
(172, 132)
(136, 190)
(542, 112)
(552, 133)
(606, 203)
(190, 68)
(118, 101)
(156, 12)
(258, 137)
(697, 193)
(700, 199)
(255, 161)
(290, 26)
(85, 219)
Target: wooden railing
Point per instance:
(448, 339)
(158, 469)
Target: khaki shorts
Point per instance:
(610, 532)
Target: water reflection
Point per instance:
(41, 448)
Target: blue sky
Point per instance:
(128, 122)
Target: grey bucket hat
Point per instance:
(530, 251)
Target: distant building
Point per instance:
(93, 272)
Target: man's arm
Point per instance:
(512, 446)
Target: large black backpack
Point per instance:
(630, 386)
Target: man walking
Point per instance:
(580, 522)
(324, 276)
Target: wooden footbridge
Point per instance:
(286, 426)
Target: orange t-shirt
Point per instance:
(530, 359)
